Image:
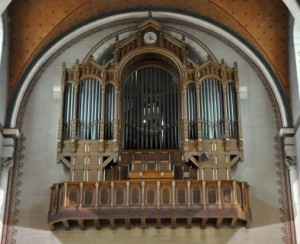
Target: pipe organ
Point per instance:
(152, 132)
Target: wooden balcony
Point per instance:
(145, 200)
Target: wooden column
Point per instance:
(74, 121)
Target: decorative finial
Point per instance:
(91, 57)
(209, 57)
(150, 14)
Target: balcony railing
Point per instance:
(191, 200)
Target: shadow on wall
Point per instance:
(263, 214)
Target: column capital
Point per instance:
(9, 139)
(291, 162)
(286, 132)
(290, 154)
(11, 133)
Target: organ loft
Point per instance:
(150, 134)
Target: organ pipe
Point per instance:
(150, 110)
(212, 114)
(89, 109)
(68, 111)
(192, 111)
(232, 110)
(109, 111)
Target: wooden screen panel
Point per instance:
(79, 161)
(89, 193)
(166, 195)
(150, 195)
(211, 195)
(73, 196)
(222, 173)
(120, 195)
(78, 175)
(93, 175)
(181, 195)
(227, 194)
(208, 174)
(94, 161)
(196, 192)
(104, 196)
(135, 195)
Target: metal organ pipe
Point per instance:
(175, 127)
(89, 109)
(96, 108)
(212, 115)
(165, 117)
(112, 114)
(192, 111)
(109, 111)
(207, 107)
(80, 111)
(167, 100)
(92, 115)
(229, 110)
(150, 110)
(219, 108)
(202, 112)
(71, 108)
(212, 108)
(99, 108)
(84, 107)
(232, 110)
(68, 111)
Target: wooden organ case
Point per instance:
(150, 136)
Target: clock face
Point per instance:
(150, 37)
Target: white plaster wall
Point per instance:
(40, 169)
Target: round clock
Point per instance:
(150, 37)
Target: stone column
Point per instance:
(7, 162)
(290, 155)
(293, 172)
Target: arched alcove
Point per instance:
(258, 143)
